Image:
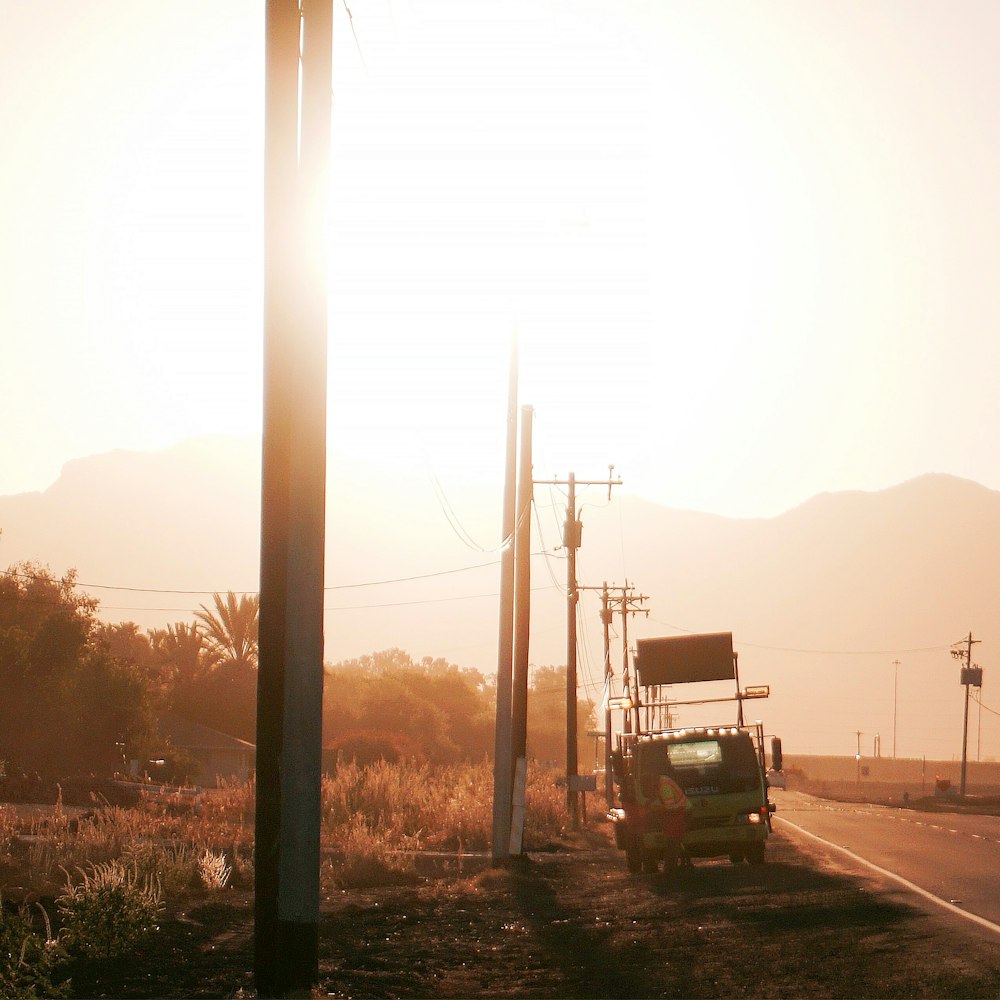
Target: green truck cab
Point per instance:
(721, 770)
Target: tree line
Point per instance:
(83, 696)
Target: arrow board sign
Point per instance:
(680, 659)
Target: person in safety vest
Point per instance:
(666, 799)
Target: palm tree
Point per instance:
(230, 631)
(182, 649)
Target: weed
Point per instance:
(109, 910)
(214, 870)
(28, 958)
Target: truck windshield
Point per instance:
(726, 764)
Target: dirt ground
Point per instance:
(571, 923)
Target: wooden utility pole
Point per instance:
(572, 536)
(293, 497)
(623, 598)
(571, 540)
(970, 675)
(503, 762)
(609, 784)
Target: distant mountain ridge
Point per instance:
(820, 599)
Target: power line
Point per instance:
(823, 652)
(224, 590)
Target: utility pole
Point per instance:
(895, 693)
(857, 758)
(607, 616)
(626, 602)
(503, 763)
(970, 675)
(293, 496)
(609, 785)
(572, 536)
(571, 539)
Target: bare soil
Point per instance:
(572, 923)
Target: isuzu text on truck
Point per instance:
(721, 769)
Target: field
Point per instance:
(565, 922)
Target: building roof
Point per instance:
(187, 735)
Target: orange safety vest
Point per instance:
(670, 794)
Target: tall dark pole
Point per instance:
(503, 762)
(522, 592)
(572, 541)
(293, 498)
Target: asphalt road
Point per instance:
(954, 858)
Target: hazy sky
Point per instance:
(751, 249)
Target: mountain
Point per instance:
(821, 599)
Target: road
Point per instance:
(951, 857)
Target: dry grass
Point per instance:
(373, 820)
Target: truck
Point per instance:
(721, 769)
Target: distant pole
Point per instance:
(609, 788)
(571, 541)
(857, 758)
(895, 693)
(633, 694)
(965, 728)
(293, 497)
(522, 592)
(503, 761)
(966, 675)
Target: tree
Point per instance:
(67, 699)
(547, 717)
(212, 664)
(443, 709)
(181, 652)
(230, 630)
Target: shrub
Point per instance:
(109, 910)
(28, 958)
(213, 869)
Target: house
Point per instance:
(218, 755)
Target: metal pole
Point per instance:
(571, 599)
(739, 693)
(502, 758)
(293, 499)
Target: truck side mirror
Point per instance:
(776, 753)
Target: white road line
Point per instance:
(981, 921)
